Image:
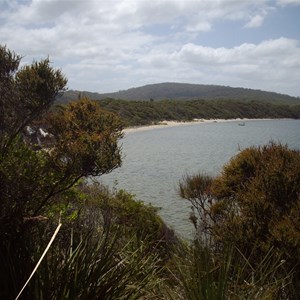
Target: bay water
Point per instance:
(154, 161)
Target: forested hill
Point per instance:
(185, 91)
(135, 113)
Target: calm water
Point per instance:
(155, 160)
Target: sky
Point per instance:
(111, 45)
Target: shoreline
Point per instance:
(168, 124)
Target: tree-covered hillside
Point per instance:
(185, 91)
(148, 112)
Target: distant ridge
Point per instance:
(186, 91)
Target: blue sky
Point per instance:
(111, 45)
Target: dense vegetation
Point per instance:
(254, 204)
(151, 112)
(109, 245)
(185, 91)
(217, 103)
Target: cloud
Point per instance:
(117, 44)
(288, 2)
(256, 21)
(260, 54)
(271, 64)
(88, 27)
(132, 14)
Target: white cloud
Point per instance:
(272, 64)
(132, 13)
(261, 54)
(256, 21)
(113, 44)
(64, 28)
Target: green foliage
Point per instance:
(25, 93)
(9, 64)
(86, 139)
(38, 85)
(30, 179)
(81, 140)
(262, 186)
(147, 112)
(137, 218)
(93, 256)
(109, 247)
(253, 204)
(197, 190)
(201, 274)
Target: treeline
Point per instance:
(136, 113)
(185, 92)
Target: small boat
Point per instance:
(242, 124)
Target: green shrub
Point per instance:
(200, 273)
(109, 247)
(254, 204)
(135, 217)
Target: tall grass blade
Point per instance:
(40, 260)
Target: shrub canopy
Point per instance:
(254, 204)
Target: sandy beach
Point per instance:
(164, 124)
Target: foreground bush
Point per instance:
(203, 274)
(43, 154)
(110, 246)
(254, 205)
